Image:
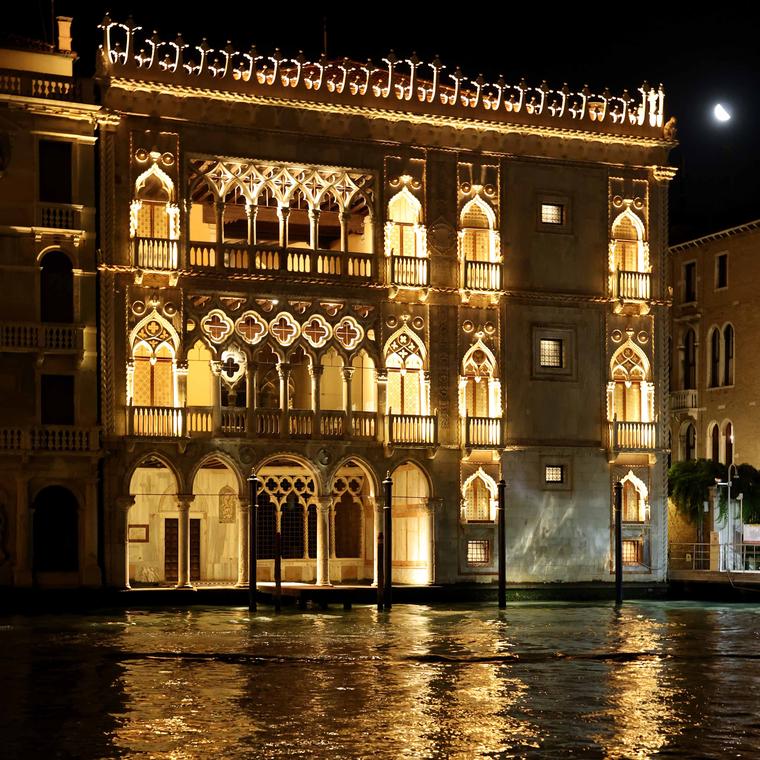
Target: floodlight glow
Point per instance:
(720, 113)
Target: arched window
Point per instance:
(403, 228)
(631, 400)
(364, 383)
(476, 223)
(479, 492)
(152, 210)
(715, 443)
(728, 434)
(627, 234)
(728, 355)
(480, 389)
(348, 526)
(689, 360)
(153, 363)
(714, 379)
(407, 389)
(56, 288)
(291, 527)
(331, 395)
(200, 378)
(690, 442)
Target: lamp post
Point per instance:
(729, 518)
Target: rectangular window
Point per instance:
(57, 399)
(721, 270)
(631, 552)
(552, 213)
(690, 282)
(54, 171)
(478, 553)
(551, 353)
(554, 473)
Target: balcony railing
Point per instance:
(59, 216)
(632, 286)
(332, 424)
(413, 429)
(483, 432)
(154, 253)
(300, 423)
(482, 275)
(234, 420)
(304, 261)
(200, 420)
(632, 436)
(684, 400)
(50, 438)
(412, 271)
(364, 425)
(268, 423)
(156, 421)
(38, 85)
(20, 336)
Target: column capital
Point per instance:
(251, 209)
(216, 367)
(283, 369)
(244, 503)
(324, 503)
(382, 374)
(433, 504)
(184, 500)
(125, 502)
(316, 370)
(348, 372)
(314, 213)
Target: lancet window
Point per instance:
(689, 367)
(407, 385)
(151, 376)
(631, 394)
(480, 391)
(479, 494)
(629, 252)
(635, 499)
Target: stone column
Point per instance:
(250, 397)
(348, 374)
(243, 521)
(324, 504)
(316, 371)
(216, 411)
(344, 217)
(382, 400)
(314, 228)
(282, 214)
(430, 507)
(251, 213)
(283, 370)
(377, 526)
(219, 208)
(23, 565)
(121, 543)
(183, 560)
(88, 564)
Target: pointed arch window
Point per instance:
(628, 243)
(479, 492)
(715, 443)
(154, 221)
(631, 398)
(481, 391)
(714, 358)
(690, 442)
(407, 387)
(406, 242)
(690, 360)
(728, 355)
(478, 243)
(728, 435)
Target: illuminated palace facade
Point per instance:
(323, 272)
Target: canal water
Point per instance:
(538, 680)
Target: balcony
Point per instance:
(154, 253)
(32, 336)
(59, 216)
(483, 433)
(413, 429)
(632, 286)
(633, 436)
(38, 85)
(161, 421)
(303, 261)
(482, 275)
(410, 271)
(50, 439)
(684, 401)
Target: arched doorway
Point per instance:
(412, 525)
(214, 521)
(55, 543)
(352, 522)
(153, 525)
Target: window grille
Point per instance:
(478, 553)
(551, 353)
(554, 473)
(552, 213)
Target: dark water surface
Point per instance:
(539, 680)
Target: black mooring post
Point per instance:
(502, 528)
(277, 570)
(253, 488)
(618, 543)
(388, 542)
(380, 570)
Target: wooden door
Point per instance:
(171, 549)
(195, 549)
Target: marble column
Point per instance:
(121, 544)
(283, 370)
(377, 527)
(382, 400)
(183, 542)
(348, 374)
(243, 521)
(314, 228)
(323, 540)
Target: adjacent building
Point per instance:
(327, 272)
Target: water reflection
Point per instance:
(538, 680)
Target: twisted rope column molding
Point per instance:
(324, 507)
(121, 540)
(244, 517)
(430, 507)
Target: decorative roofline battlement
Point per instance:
(399, 84)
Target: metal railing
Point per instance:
(719, 557)
(632, 286)
(632, 436)
(50, 438)
(413, 429)
(412, 271)
(154, 253)
(684, 400)
(483, 432)
(482, 275)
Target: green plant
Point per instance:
(689, 483)
(745, 481)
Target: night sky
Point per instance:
(701, 60)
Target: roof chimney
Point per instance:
(64, 34)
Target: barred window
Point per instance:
(631, 552)
(478, 553)
(552, 213)
(554, 473)
(551, 353)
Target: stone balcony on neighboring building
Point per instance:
(684, 401)
(50, 439)
(41, 337)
